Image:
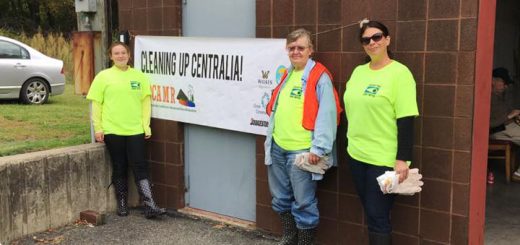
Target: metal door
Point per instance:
(220, 164)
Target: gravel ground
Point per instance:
(176, 228)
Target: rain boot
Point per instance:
(306, 236)
(121, 190)
(151, 210)
(290, 233)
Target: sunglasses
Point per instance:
(293, 48)
(376, 38)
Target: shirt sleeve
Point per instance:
(97, 111)
(405, 95)
(97, 89)
(325, 127)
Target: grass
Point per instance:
(62, 121)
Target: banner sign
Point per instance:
(216, 82)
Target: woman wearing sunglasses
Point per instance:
(380, 105)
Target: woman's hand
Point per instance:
(147, 136)
(100, 137)
(401, 168)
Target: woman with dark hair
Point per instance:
(121, 109)
(380, 105)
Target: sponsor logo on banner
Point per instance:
(259, 123)
(279, 73)
(260, 107)
(264, 80)
(186, 99)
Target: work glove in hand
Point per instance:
(389, 183)
(302, 162)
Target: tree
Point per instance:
(29, 16)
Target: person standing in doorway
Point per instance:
(121, 109)
(380, 105)
(304, 114)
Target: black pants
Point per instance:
(376, 204)
(124, 151)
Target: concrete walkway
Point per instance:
(175, 228)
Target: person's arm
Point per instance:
(404, 146)
(147, 112)
(97, 112)
(325, 126)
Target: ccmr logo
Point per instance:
(186, 100)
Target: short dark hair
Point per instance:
(502, 73)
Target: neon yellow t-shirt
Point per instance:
(121, 94)
(288, 130)
(374, 100)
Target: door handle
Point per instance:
(18, 65)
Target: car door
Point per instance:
(14, 61)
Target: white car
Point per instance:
(27, 74)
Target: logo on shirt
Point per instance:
(296, 92)
(372, 90)
(135, 85)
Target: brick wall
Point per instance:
(436, 39)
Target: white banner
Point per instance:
(216, 82)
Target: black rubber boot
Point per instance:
(379, 238)
(290, 232)
(121, 190)
(151, 210)
(306, 236)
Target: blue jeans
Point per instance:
(376, 204)
(292, 188)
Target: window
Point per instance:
(12, 51)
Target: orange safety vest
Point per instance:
(310, 101)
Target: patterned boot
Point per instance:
(290, 233)
(121, 190)
(151, 210)
(306, 236)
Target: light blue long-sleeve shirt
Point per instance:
(325, 128)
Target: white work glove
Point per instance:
(389, 183)
(302, 161)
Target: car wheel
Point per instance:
(35, 91)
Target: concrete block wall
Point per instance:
(47, 189)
